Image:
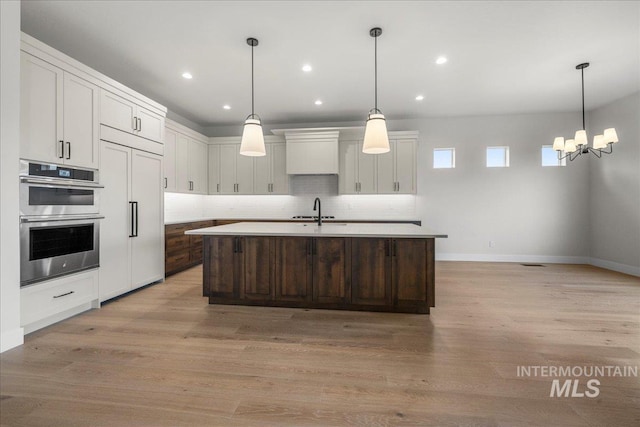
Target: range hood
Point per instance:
(311, 151)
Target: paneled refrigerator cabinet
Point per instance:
(132, 233)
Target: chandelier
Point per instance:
(572, 148)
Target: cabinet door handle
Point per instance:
(165, 182)
(395, 248)
(217, 188)
(308, 246)
(64, 295)
(314, 247)
(139, 124)
(68, 150)
(386, 248)
(131, 234)
(135, 123)
(398, 185)
(239, 245)
(61, 156)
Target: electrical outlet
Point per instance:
(491, 243)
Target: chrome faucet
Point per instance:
(317, 205)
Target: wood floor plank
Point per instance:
(163, 356)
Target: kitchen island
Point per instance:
(376, 267)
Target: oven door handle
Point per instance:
(26, 219)
(58, 183)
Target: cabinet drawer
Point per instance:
(45, 299)
(196, 254)
(176, 243)
(176, 229)
(201, 224)
(177, 261)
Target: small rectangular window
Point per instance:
(550, 157)
(444, 158)
(497, 157)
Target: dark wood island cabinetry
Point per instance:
(332, 271)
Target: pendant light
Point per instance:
(376, 139)
(252, 137)
(580, 144)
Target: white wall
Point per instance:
(11, 333)
(614, 181)
(531, 213)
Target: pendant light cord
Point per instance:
(252, 96)
(375, 56)
(582, 72)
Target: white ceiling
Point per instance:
(504, 57)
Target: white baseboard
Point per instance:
(541, 259)
(615, 266)
(11, 339)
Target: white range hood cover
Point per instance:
(311, 151)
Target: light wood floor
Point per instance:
(164, 357)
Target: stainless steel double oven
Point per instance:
(59, 221)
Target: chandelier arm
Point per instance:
(597, 153)
(574, 155)
(610, 149)
(562, 157)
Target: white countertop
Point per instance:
(312, 230)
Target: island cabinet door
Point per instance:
(331, 284)
(293, 269)
(257, 268)
(220, 267)
(411, 273)
(371, 272)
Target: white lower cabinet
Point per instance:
(45, 303)
(132, 233)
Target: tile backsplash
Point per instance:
(303, 190)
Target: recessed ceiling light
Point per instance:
(441, 60)
(419, 98)
(187, 75)
(318, 102)
(306, 68)
(227, 107)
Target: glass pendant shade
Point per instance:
(558, 143)
(598, 142)
(252, 139)
(610, 136)
(376, 139)
(581, 137)
(570, 146)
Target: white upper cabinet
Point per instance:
(357, 169)
(120, 113)
(198, 167)
(170, 141)
(270, 174)
(59, 115)
(235, 170)
(405, 166)
(279, 177)
(389, 173)
(185, 160)
(214, 169)
(232, 173)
